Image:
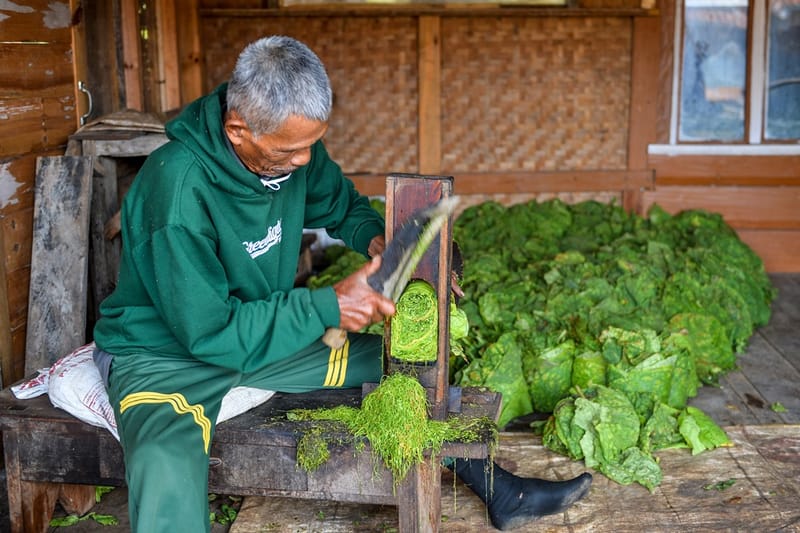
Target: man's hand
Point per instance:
(359, 305)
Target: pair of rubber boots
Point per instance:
(513, 501)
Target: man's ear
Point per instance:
(235, 128)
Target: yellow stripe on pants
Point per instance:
(337, 366)
(178, 403)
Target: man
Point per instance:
(211, 232)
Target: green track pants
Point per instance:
(166, 409)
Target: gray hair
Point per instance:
(274, 78)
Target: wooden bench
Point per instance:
(51, 456)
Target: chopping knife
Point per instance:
(401, 257)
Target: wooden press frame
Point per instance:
(405, 193)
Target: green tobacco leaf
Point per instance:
(700, 431)
(65, 521)
(100, 491)
(634, 466)
(104, 519)
(720, 486)
(778, 407)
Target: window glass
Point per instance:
(783, 80)
(714, 71)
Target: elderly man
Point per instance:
(211, 232)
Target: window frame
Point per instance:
(755, 105)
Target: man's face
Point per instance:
(279, 153)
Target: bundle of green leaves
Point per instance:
(613, 320)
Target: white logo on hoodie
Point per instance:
(272, 238)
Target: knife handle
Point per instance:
(334, 338)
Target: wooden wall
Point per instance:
(514, 103)
(37, 114)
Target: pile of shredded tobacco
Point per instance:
(394, 420)
(415, 325)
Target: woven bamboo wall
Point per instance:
(372, 63)
(535, 93)
(518, 93)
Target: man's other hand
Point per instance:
(359, 305)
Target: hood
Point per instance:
(199, 127)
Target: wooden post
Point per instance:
(430, 94)
(6, 348)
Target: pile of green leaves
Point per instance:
(608, 320)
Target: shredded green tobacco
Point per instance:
(394, 419)
(415, 325)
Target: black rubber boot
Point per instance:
(513, 501)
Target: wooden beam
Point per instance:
(666, 45)
(6, 348)
(465, 9)
(642, 113)
(779, 249)
(168, 63)
(527, 182)
(131, 55)
(429, 79)
(742, 207)
(728, 170)
(79, 66)
(190, 51)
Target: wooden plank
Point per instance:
(35, 21)
(18, 345)
(781, 331)
(533, 182)
(59, 260)
(21, 126)
(35, 69)
(644, 90)
(727, 170)
(33, 124)
(17, 175)
(6, 348)
(456, 9)
(527, 182)
(18, 231)
(775, 379)
(79, 63)
(168, 61)
(742, 207)
(104, 266)
(642, 117)
(779, 249)
(135, 147)
(18, 288)
(430, 112)
(190, 53)
(666, 45)
(131, 55)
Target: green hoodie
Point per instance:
(210, 254)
